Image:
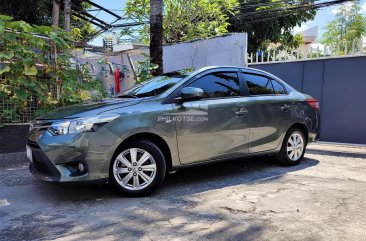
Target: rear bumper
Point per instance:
(314, 133)
(313, 137)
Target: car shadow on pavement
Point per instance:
(186, 181)
(229, 173)
(175, 202)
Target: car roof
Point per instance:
(236, 67)
(225, 66)
(187, 72)
(253, 70)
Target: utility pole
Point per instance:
(56, 13)
(67, 13)
(156, 34)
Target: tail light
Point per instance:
(314, 103)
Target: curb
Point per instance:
(13, 159)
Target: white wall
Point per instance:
(106, 72)
(228, 50)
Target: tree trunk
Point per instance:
(56, 12)
(67, 13)
(156, 35)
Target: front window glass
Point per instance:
(218, 85)
(155, 86)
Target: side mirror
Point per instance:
(190, 93)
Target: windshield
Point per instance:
(154, 86)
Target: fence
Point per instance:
(307, 52)
(11, 112)
(339, 84)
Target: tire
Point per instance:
(138, 168)
(288, 157)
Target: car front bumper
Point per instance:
(56, 158)
(42, 168)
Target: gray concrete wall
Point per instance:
(340, 86)
(229, 50)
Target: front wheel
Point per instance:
(138, 169)
(293, 148)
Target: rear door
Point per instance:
(270, 111)
(217, 125)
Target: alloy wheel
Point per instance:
(295, 146)
(134, 169)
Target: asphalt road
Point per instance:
(324, 198)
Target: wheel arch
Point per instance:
(154, 138)
(302, 127)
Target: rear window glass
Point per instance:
(259, 85)
(278, 88)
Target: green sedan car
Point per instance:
(173, 121)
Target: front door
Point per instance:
(215, 126)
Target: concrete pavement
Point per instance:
(324, 198)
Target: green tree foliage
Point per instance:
(31, 11)
(183, 19)
(24, 58)
(39, 12)
(348, 27)
(290, 42)
(144, 69)
(270, 21)
(81, 31)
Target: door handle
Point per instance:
(241, 111)
(285, 107)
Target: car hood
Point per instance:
(89, 109)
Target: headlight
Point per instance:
(87, 124)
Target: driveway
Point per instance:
(324, 198)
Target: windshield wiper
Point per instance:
(127, 96)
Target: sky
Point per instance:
(117, 7)
(323, 16)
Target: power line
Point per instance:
(284, 10)
(102, 8)
(276, 3)
(243, 6)
(112, 10)
(273, 17)
(291, 9)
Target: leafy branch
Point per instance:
(34, 61)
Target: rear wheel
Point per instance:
(293, 148)
(138, 169)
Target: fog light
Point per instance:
(81, 167)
